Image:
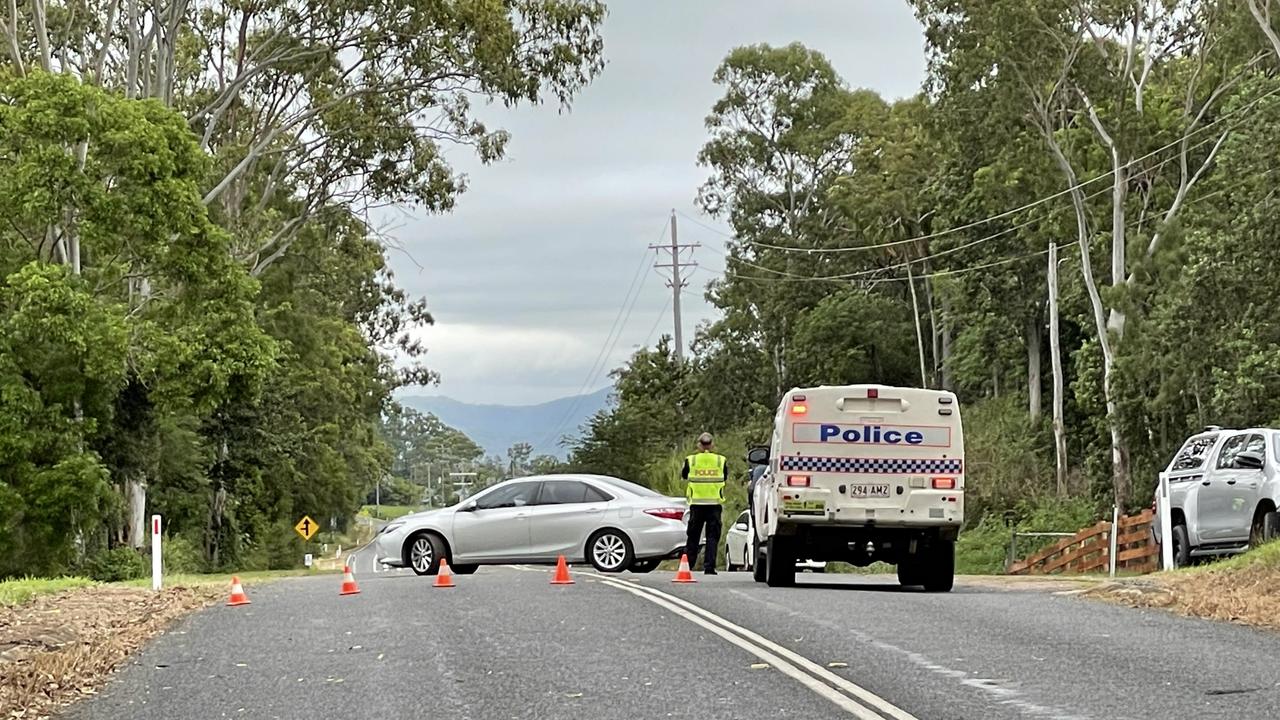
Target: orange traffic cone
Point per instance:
(683, 575)
(444, 577)
(348, 582)
(562, 573)
(237, 594)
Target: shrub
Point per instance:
(117, 564)
(182, 556)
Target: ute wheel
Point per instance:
(940, 573)
(1181, 546)
(422, 553)
(464, 569)
(1264, 528)
(780, 563)
(757, 563)
(610, 551)
(644, 566)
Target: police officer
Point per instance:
(706, 473)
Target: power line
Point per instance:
(657, 322)
(999, 216)
(610, 342)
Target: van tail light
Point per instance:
(941, 483)
(799, 409)
(798, 480)
(667, 513)
(873, 393)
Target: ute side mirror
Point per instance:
(740, 526)
(758, 456)
(1249, 460)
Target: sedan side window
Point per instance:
(1231, 448)
(514, 495)
(563, 492)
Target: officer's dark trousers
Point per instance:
(699, 516)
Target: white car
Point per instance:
(737, 551)
(613, 524)
(1224, 486)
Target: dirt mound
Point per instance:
(1244, 595)
(61, 647)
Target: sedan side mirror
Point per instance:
(758, 456)
(469, 507)
(1249, 460)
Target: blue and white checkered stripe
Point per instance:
(876, 466)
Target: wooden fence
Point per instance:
(1089, 551)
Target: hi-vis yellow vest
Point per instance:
(706, 479)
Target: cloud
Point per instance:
(540, 252)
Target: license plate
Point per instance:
(869, 491)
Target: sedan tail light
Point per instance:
(668, 513)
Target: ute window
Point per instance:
(1194, 453)
(1231, 448)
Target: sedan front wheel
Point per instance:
(423, 553)
(610, 551)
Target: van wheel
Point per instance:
(757, 565)
(780, 563)
(1181, 546)
(940, 574)
(909, 574)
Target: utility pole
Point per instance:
(676, 283)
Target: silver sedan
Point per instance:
(613, 524)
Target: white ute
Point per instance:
(860, 474)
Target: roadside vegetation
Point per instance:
(197, 317)
(1239, 589)
(908, 242)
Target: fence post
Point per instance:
(1013, 556)
(1115, 537)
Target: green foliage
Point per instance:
(983, 548)
(180, 555)
(22, 590)
(117, 564)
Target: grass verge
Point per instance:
(389, 512)
(18, 592)
(1239, 590)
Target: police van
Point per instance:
(860, 474)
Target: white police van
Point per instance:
(860, 474)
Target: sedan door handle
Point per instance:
(1231, 482)
(1205, 483)
(522, 514)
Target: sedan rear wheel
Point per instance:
(423, 553)
(610, 551)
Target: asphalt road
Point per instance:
(506, 644)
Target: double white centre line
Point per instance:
(854, 699)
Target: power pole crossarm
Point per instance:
(676, 283)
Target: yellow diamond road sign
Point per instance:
(307, 527)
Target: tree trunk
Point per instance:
(1033, 366)
(945, 363)
(915, 313)
(1055, 358)
(135, 493)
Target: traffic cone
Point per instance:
(444, 577)
(237, 594)
(562, 573)
(348, 582)
(683, 575)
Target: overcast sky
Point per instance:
(527, 276)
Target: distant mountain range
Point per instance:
(498, 427)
